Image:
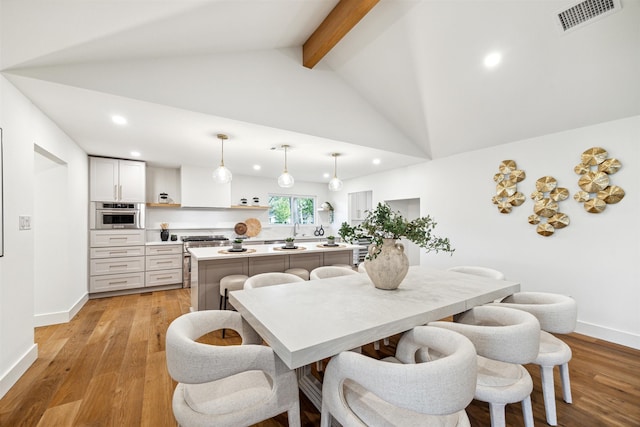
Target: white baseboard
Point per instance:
(47, 319)
(14, 373)
(612, 335)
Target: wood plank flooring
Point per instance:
(107, 368)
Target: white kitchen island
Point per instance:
(210, 264)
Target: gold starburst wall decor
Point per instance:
(595, 169)
(546, 214)
(507, 195)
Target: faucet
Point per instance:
(295, 229)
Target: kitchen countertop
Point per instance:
(211, 253)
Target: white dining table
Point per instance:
(309, 321)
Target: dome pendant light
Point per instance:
(222, 175)
(286, 179)
(335, 184)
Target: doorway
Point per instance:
(410, 209)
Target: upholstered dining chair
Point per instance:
(270, 279)
(504, 339)
(479, 271)
(328, 271)
(557, 314)
(237, 385)
(403, 391)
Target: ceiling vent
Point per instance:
(585, 13)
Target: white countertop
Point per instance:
(210, 253)
(168, 242)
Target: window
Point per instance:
(292, 209)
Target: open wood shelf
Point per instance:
(163, 205)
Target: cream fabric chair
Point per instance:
(504, 339)
(270, 279)
(479, 271)
(557, 314)
(237, 385)
(330, 271)
(361, 391)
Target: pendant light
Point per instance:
(222, 175)
(286, 179)
(335, 184)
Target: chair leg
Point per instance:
(386, 341)
(319, 366)
(325, 416)
(549, 394)
(527, 412)
(566, 383)
(497, 414)
(293, 415)
(376, 345)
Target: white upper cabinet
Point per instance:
(113, 180)
(199, 190)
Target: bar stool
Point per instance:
(234, 282)
(342, 265)
(300, 272)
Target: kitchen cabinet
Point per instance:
(359, 203)
(163, 264)
(115, 180)
(116, 260)
(199, 190)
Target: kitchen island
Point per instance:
(210, 264)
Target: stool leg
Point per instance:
(225, 307)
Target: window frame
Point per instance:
(292, 208)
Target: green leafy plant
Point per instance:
(384, 223)
(237, 241)
(289, 239)
(331, 237)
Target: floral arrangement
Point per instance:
(384, 223)
(164, 226)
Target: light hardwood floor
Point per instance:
(107, 368)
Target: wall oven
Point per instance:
(106, 215)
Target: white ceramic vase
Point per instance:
(390, 267)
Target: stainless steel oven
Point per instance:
(106, 215)
(197, 242)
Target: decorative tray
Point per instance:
(236, 251)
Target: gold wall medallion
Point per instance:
(595, 170)
(507, 195)
(547, 216)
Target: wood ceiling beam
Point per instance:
(339, 22)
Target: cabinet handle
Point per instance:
(164, 262)
(115, 192)
(117, 252)
(163, 277)
(118, 283)
(118, 266)
(120, 192)
(163, 249)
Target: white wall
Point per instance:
(185, 221)
(24, 126)
(595, 259)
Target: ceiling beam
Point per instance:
(339, 22)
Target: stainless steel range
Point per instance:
(197, 242)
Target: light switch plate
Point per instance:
(25, 222)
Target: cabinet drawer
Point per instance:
(101, 238)
(102, 266)
(163, 262)
(163, 277)
(114, 282)
(164, 250)
(116, 252)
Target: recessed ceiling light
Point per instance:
(492, 59)
(119, 120)
(376, 161)
(135, 153)
(256, 167)
(326, 175)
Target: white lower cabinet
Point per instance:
(163, 264)
(116, 282)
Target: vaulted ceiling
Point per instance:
(407, 84)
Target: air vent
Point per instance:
(585, 13)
